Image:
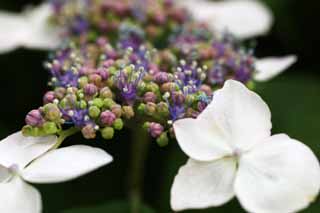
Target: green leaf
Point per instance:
(113, 206)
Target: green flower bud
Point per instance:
(118, 124)
(52, 112)
(98, 102)
(50, 128)
(152, 87)
(83, 104)
(112, 70)
(163, 140)
(27, 130)
(163, 109)
(141, 108)
(108, 103)
(94, 112)
(146, 126)
(83, 81)
(190, 99)
(107, 133)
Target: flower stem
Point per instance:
(63, 135)
(139, 152)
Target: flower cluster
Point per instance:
(104, 78)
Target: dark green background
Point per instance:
(294, 99)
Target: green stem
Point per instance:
(63, 135)
(139, 152)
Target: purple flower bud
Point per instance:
(161, 77)
(49, 97)
(34, 118)
(108, 63)
(155, 129)
(90, 90)
(178, 98)
(149, 97)
(107, 118)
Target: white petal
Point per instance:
(30, 29)
(243, 18)
(21, 150)
(280, 175)
(66, 164)
(17, 196)
(42, 35)
(4, 173)
(268, 68)
(201, 140)
(201, 185)
(12, 32)
(241, 114)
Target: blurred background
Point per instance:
(294, 99)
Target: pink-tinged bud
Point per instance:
(155, 129)
(90, 90)
(102, 41)
(49, 97)
(107, 118)
(161, 77)
(206, 89)
(106, 93)
(60, 92)
(149, 97)
(88, 132)
(108, 63)
(103, 73)
(117, 110)
(34, 118)
(178, 98)
(95, 79)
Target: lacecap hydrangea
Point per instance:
(139, 64)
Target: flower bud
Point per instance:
(163, 140)
(116, 109)
(151, 108)
(98, 102)
(52, 112)
(161, 77)
(118, 124)
(155, 129)
(34, 118)
(90, 90)
(107, 133)
(95, 79)
(163, 109)
(88, 132)
(206, 89)
(60, 92)
(152, 87)
(142, 108)
(50, 128)
(128, 112)
(49, 97)
(149, 97)
(108, 103)
(105, 93)
(83, 81)
(94, 111)
(178, 98)
(107, 118)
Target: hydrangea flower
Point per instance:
(26, 160)
(232, 153)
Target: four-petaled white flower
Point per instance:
(232, 153)
(29, 159)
